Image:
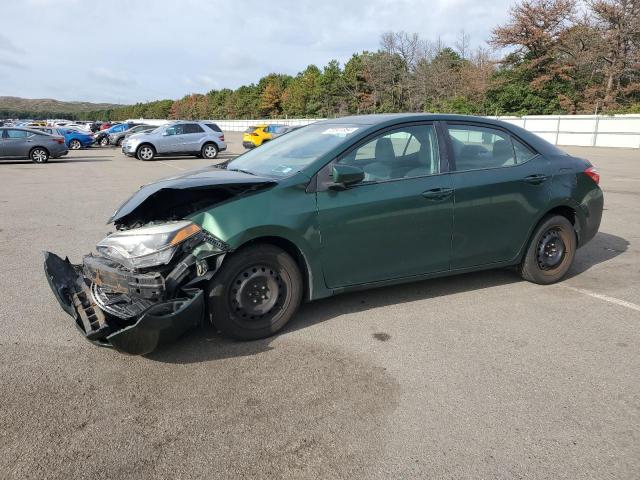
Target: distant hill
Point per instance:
(39, 105)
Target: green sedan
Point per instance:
(339, 205)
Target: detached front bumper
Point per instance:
(119, 319)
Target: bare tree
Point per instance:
(462, 44)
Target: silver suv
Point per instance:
(201, 139)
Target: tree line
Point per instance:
(562, 57)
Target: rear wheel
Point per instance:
(145, 153)
(119, 142)
(39, 155)
(551, 251)
(75, 144)
(255, 293)
(209, 151)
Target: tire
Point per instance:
(250, 272)
(551, 251)
(39, 155)
(104, 141)
(145, 152)
(209, 151)
(119, 142)
(75, 145)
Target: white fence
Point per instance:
(583, 130)
(579, 130)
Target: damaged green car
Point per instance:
(338, 205)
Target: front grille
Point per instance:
(119, 304)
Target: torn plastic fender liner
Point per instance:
(157, 325)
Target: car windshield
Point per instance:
(291, 153)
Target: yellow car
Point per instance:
(256, 136)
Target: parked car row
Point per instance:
(39, 143)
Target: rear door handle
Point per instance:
(438, 193)
(536, 179)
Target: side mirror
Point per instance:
(165, 134)
(345, 175)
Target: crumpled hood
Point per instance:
(209, 179)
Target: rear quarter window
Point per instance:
(214, 127)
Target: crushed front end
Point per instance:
(145, 286)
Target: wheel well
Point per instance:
(295, 253)
(567, 212)
(145, 145)
(562, 210)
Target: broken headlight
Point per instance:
(147, 246)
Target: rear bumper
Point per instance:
(248, 145)
(590, 216)
(149, 322)
(60, 153)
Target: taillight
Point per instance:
(255, 135)
(593, 173)
(222, 138)
(59, 140)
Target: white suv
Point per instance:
(200, 139)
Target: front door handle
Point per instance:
(438, 193)
(536, 179)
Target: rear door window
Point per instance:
(193, 128)
(477, 147)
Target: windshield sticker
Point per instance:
(340, 131)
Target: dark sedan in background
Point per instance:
(24, 143)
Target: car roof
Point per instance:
(371, 122)
(381, 118)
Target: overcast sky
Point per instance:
(140, 50)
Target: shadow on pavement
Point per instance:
(205, 344)
(602, 248)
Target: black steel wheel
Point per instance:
(256, 292)
(551, 251)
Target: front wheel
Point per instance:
(256, 292)
(551, 251)
(104, 141)
(209, 151)
(146, 153)
(39, 155)
(75, 145)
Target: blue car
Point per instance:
(74, 139)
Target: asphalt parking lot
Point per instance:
(476, 376)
